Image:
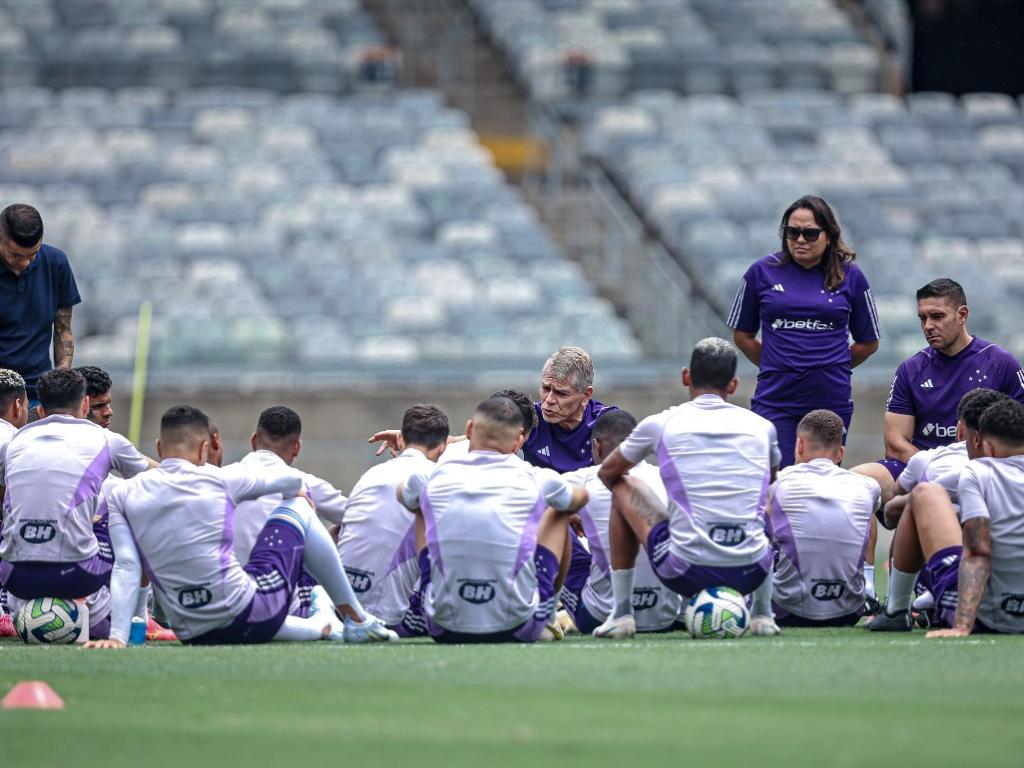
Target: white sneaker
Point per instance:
(924, 602)
(320, 605)
(564, 620)
(371, 630)
(764, 626)
(620, 628)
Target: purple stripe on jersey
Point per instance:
(92, 480)
(5, 571)
(430, 525)
(673, 482)
(784, 533)
(406, 550)
(528, 543)
(594, 539)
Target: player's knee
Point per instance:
(296, 512)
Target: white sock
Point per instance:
(901, 590)
(298, 630)
(763, 596)
(622, 592)
(869, 580)
(142, 602)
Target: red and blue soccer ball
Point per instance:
(717, 612)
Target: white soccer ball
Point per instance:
(49, 620)
(717, 612)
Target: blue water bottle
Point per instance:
(137, 636)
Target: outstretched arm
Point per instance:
(975, 568)
(63, 339)
(613, 468)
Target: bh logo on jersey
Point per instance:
(194, 596)
(727, 534)
(1013, 605)
(360, 580)
(937, 430)
(38, 531)
(788, 324)
(476, 592)
(828, 589)
(644, 597)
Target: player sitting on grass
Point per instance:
(378, 536)
(53, 471)
(13, 416)
(972, 565)
(491, 533)
(820, 516)
(716, 461)
(589, 599)
(275, 444)
(177, 521)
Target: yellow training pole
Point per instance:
(139, 379)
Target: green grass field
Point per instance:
(811, 697)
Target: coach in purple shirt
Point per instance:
(921, 410)
(566, 413)
(807, 300)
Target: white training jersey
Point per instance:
(378, 537)
(716, 461)
(481, 515)
(994, 489)
(655, 606)
(53, 471)
(180, 516)
(821, 519)
(928, 466)
(456, 450)
(251, 516)
(7, 431)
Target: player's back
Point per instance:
(181, 516)
(655, 606)
(821, 517)
(378, 537)
(995, 488)
(715, 460)
(930, 464)
(53, 471)
(481, 515)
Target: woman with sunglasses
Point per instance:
(808, 300)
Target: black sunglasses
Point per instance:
(793, 233)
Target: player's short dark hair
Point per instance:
(424, 424)
(612, 427)
(975, 403)
(525, 403)
(713, 363)
(12, 386)
(1004, 421)
(279, 422)
(60, 389)
(943, 288)
(823, 427)
(21, 224)
(181, 423)
(97, 381)
(501, 411)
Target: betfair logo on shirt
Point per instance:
(38, 531)
(787, 324)
(937, 430)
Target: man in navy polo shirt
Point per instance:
(37, 292)
(921, 410)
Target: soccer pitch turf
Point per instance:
(810, 697)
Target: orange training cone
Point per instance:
(32, 694)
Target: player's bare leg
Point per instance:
(883, 477)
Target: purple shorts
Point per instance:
(895, 467)
(67, 580)
(688, 579)
(275, 565)
(940, 576)
(576, 579)
(527, 632)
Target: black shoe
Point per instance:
(901, 621)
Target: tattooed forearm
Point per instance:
(63, 339)
(974, 571)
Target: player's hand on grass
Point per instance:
(389, 439)
(940, 633)
(104, 644)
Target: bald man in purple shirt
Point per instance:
(921, 411)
